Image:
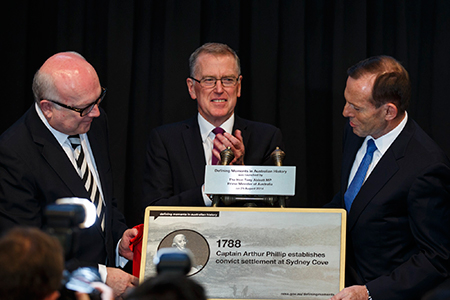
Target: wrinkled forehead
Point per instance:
(211, 60)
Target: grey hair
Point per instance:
(44, 87)
(214, 49)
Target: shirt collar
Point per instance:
(206, 127)
(384, 142)
(60, 137)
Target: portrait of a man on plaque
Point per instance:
(193, 241)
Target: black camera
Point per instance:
(173, 260)
(80, 281)
(62, 220)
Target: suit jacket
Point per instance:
(35, 171)
(398, 241)
(175, 159)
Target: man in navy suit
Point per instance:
(177, 153)
(38, 164)
(398, 241)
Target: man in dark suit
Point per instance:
(38, 164)
(177, 153)
(398, 242)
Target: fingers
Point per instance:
(235, 143)
(120, 281)
(124, 248)
(130, 234)
(134, 281)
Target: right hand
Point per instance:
(120, 281)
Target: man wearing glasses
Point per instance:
(177, 153)
(59, 148)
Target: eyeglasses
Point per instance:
(83, 111)
(210, 82)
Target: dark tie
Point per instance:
(87, 178)
(216, 131)
(360, 175)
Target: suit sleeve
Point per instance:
(17, 193)
(118, 223)
(275, 141)
(260, 141)
(429, 221)
(159, 186)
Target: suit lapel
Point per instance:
(383, 172)
(194, 148)
(385, 169)
(98, 141)
(241, 124)
(54, 155)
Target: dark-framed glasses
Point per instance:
(83, 111)
(210, 82)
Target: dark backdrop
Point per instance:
(294, 58)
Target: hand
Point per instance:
(236, 143)
(124, 246)
(120, 281)
(355, 292)
(107, 292)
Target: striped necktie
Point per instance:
(87, 178)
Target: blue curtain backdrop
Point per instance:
(294, 58)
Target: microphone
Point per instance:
(278, 157)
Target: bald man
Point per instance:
(39, 164)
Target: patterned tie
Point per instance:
(217, 130)
(360, 175)
(87, 178)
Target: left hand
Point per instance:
(124, 246)
(354, 292)
(235, 142)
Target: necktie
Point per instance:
(216, 131)
(87, 178)
(360, 175)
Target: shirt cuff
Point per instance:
(206, 199)
(120, 260)
(103, 272)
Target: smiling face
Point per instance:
(216, 104)
(364, 117)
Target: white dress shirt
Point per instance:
(383, 143)
(208, 142)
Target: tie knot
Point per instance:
(218, 130)
(371, 147)
(74, 140)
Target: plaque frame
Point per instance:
(176, 220)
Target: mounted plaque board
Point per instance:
(249, 180)
(253, 253)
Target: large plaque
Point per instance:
(253, 253)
